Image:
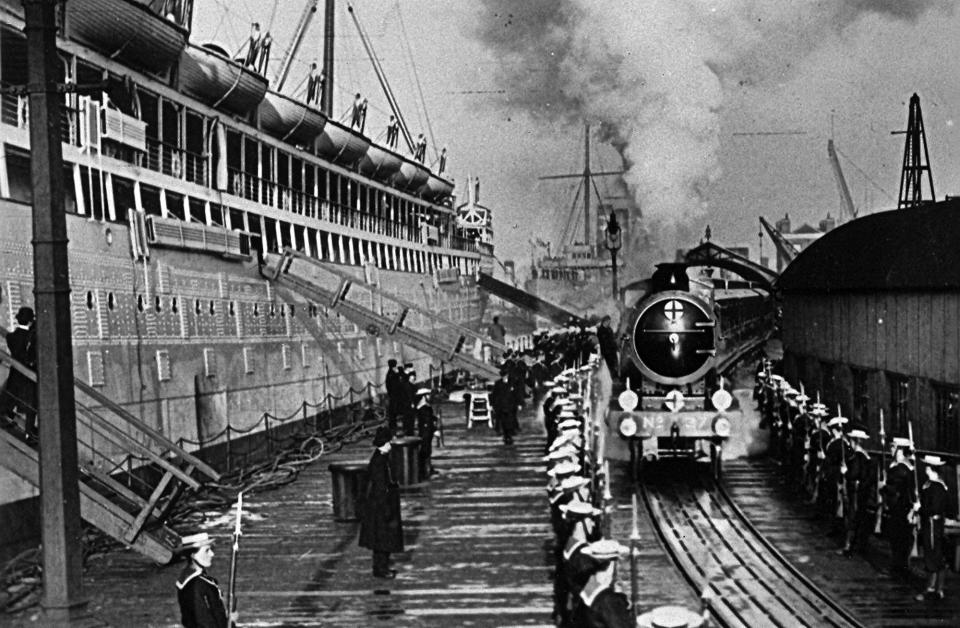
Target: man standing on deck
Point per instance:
(355, 121)
(198, 594)
(899, 496)
(393, 132)
(426, 428)
(20, 392)
(608, 345)
(503, 402)
(498, 334)
(381, 529)
(253, 46)
(392, 384)
(315, 84)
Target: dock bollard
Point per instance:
(349, 484)
(404, 460)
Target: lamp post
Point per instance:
(613, 243)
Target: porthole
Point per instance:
(273, 309)
(232, 309)
(256, 309)
(196, 306)
(291, 310)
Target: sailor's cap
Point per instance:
(933, 461)
(579, 509)
(791, 392)
(564, 451)
(573, 483)
(899, 441)
(563, 469)
(195, 541)
(558, 390)
(838, 421)
(802, 397)
(567, 414)
(857, 434)
(576, 396)
(423, 391)
(606, 550)
(570, 424)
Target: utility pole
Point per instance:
(59, 491)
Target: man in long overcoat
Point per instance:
(503, 402)
(20, 392)
(381, 529)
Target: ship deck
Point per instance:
(478, 541)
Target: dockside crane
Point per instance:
(786, 248)
(847, 209)
(916, 160)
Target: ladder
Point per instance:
(124, 505)
(311, 278)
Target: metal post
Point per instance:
(59, 491)
(613, 259)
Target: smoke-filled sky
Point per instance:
(691, 98)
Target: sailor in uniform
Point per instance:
(933, 514)
(426, 428)
(199, 595)
(858, 491)
(899, 496)
(600, 605)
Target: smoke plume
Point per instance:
(654, 74)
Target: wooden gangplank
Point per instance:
(281, 270)
(528, 301)
(107, 503)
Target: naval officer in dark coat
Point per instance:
(380, 527)
(20, 392)
(199, 596)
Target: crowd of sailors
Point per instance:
(823, 455)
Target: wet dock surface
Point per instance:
(477, 540)
(804, 536)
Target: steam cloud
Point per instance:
(653, 73)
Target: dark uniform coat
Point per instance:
(607, 338)
(201, 603)
(426, 428)
(504, 405)
(19, 390)
(380, 527)
(607, 609)
(933, 511)
(899, 495)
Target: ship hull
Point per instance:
(199, 346)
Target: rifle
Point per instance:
(915, 550)
(842, 486)
(881, 477)
(439, 416)
(232, 589)
(821, 457)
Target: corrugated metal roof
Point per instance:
(905, 249)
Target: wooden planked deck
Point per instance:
(477, 536)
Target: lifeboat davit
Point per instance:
(128, 31)
(379, 163)
(342, 145)
(209, 74)
(290, 120)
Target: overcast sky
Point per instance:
(668, 84)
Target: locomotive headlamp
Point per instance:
(721, 426)
(628, 400)
(628, 426)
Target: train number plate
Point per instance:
(661, 424)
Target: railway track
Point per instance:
(721, 554)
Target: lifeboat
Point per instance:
(128, 31)
(341, 145)
(412, 176)
(436, 189)
(209, 74)
(290, 120)
(379, 163)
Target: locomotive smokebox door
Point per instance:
(674, 337)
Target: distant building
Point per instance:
(802, 237)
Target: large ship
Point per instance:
(578, 276)
(187, 175)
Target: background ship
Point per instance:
(187, 175)
(576, 275)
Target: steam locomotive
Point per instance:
(677, 342)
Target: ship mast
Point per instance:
(326, 101)
(586, 189)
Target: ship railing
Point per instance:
(176, 162)
(252, 187)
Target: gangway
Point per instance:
(127, 506)
(528, 301)
(445, 342)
